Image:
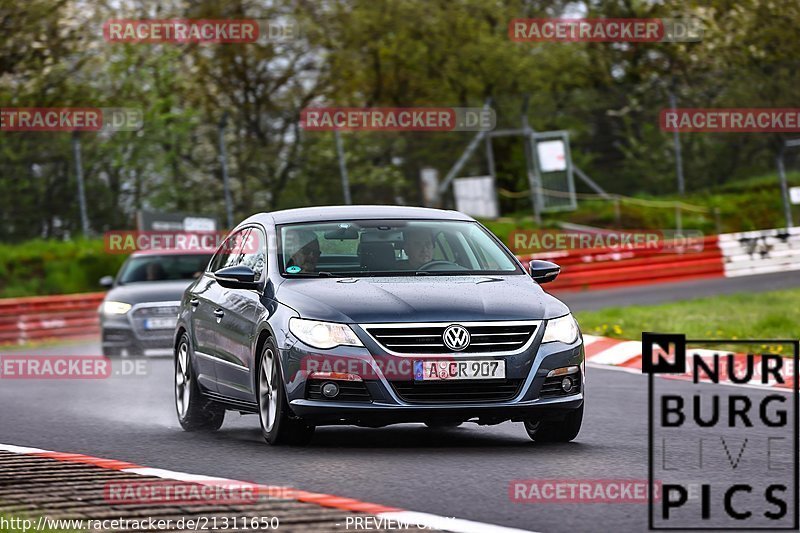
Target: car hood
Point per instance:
(415, 299)
(148, 291)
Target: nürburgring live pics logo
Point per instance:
(725, 446)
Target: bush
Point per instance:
(42, 267)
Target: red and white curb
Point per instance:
(389, 515)
(616, 354)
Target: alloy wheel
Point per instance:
(268, 396)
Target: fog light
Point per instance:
(330, 390)
(566, 384)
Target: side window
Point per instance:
(230, 251)
(253, 251)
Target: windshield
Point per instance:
(163, 268)
(391, 248)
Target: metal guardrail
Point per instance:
(603, 268)
(761, 252)
(44, 317)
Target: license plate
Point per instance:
(456, 370)
(160, 323)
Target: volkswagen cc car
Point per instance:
(375, 315)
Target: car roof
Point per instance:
(355, 212)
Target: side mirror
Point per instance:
(543, 271)
(107, 282)
(236, 277)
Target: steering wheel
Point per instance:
(431, 264)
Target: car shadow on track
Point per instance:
(411, 436)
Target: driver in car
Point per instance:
(418, 246)
(307, 250)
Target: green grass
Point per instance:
(768, 315)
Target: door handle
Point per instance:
(195, 302)
(219, 313)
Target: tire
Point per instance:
(556, 431)
(278, 424)
(195, 411)
(443, 424)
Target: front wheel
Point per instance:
(278, 426)
(556, 431)
(195, 411)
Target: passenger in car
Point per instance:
(155, 272)
(306, 249)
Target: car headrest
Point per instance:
(377, 256)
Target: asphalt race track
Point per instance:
(463, 472)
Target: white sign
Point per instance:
(476, 196)
(794, 194)
(552, 155)
(199, 224)
(430, 186)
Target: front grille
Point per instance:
(116, 335)
(349, 391)
(552, 386)
(457, 391)
(485, 337)
(140, 314)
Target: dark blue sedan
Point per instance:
(375, 315)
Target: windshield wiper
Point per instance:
(422, 273)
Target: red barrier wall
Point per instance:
(42, 317)
(75, 315)
(589, 269)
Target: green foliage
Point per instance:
(742, 205)
(43, 267)
(376, 53)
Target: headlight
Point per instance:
(323, 334)
(115, 308)
(563, 329)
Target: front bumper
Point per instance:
(386, 406)
(126, 335)
(379, 414)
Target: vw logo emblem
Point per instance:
(456, 337)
